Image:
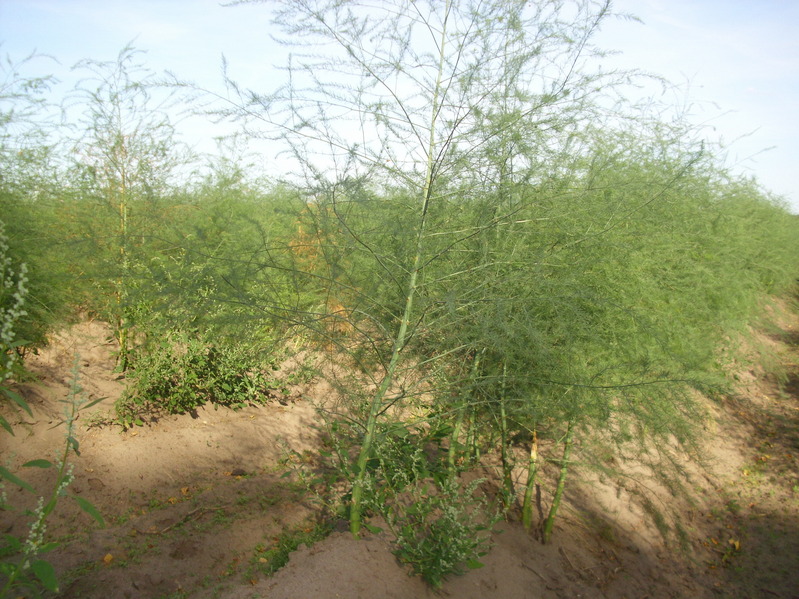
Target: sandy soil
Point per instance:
(192, 501)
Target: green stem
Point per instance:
(455, 444)
(564, 465)
(121, 295)
(507, 467)
(376, 405)
(532, 475)
(473, 440)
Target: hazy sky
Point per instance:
(739, 59)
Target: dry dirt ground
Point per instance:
(193, 503)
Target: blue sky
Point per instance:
(738, 60)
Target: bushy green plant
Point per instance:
(183, 372)
(406, 454)
(441, 528)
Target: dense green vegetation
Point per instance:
(501, 260)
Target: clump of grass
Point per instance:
(268, 559)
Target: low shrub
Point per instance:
(441, 529)
(441, 526)
(185, 372)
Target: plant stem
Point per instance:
(400, 339)
(507, 467)
(564, 465)
(453, 440)
(532, 475)
(119, 190)
(454, 443)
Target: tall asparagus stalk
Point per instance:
(376, 405)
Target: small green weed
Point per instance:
(81, 571)
(179, 594)
(266, 500)
(221, 518)
(268, 559)
(98, 420)
(733, 507)
(304, 374)
(753, 475)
